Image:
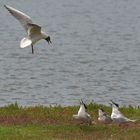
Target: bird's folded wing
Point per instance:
(20, 16)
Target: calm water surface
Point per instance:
(95, 54)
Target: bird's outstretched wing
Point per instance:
(20, 16)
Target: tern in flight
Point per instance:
(34, 32)
(117, 116)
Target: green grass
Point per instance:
(56, 123)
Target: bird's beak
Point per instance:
(49, 42)
(110, 104)
(48, 39)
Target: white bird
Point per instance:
(104, 117)
(34, 32)
(82, 114)
(117, 116)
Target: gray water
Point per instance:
(95, 53)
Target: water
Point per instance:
(95, 53)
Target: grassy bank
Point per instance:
(56, 123)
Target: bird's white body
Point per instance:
(34, 32)
(118, 117)
(83, 115)
(103, 117)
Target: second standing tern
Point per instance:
(117, 116)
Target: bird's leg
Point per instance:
(32, 49)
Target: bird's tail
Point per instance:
(25, 42)
(132, 120)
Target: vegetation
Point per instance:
(56, 123)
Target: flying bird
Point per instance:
(117, 116)
(103, 117)
(82, 114)
(34, 31)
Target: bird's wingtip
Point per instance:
(6, 6)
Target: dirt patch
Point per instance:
(9, 120)
(130, 125)
(23, 120)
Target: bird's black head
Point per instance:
(117, 105)
(82, 103)
(48, 39)
(102, 110)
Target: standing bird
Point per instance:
(117, 116)
(82, 114)
(103, 117)
(34, 32)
